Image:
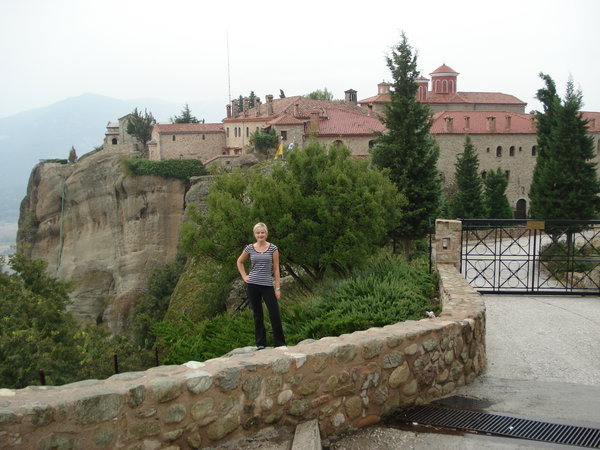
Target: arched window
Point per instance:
(487, 150)
(483, 174)
(203, 137)
(372, 143)
(499, 151)
(511, 150)
(173, 137)
(533, 150)
(338, 143)
(247, 132)
(227, 131)
(521, 210)
(114, 141)
(445, 87)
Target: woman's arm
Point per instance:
(276, 274)
(240, 266)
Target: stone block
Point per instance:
(307, 436)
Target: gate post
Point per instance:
(447, 241)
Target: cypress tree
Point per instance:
(496, 201)
(407, 149)
(565, 183)
(468, 199)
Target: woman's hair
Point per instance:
(260, 226)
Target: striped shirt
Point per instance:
(261, 271)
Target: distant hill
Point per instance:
(49, 132)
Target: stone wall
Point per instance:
(347, 382)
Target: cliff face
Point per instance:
(102, 231)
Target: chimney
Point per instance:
(234, 108)
(448, 123)
(245, 106)
(532, 122)
(269, 99)
(491, 123)
(228, 106)
(508, 122)
(314, 122)
(467, 123)
(350, 96)
(296, 109)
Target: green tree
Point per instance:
(321, 95)
(496, 202)
(240, 103)
(36, 332)
(468, 198)
(185, 117)
(325, 210)
(264, 140)
(140, 126)
(281, 93)
(407, 149)
(565, 183)
(251, 99)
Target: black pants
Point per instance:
(256, 292)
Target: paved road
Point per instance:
(543, 362)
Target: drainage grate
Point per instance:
(502, 425)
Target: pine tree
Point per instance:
(468, 199)
(185, 117)
(496, 202)
(407, 149)
(565, 183)
(140, 126)
(240, 103)
(72, 155)
(251, 98)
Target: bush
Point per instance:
(386, 290)
(181, 169)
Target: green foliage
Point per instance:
(467, 202)
(407, 149)
(560, 257)
(281, 93)
(182, 169)
(240, 103)
(321, 95)
(251, 98)
(153, 306)
(36, 332)
(384, 290)
(325, 210)
(264, 140)
(140, 126)
(185, 117)
(565, 183)
(496, 202)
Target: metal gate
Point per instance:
(531, 256)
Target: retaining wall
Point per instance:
(347, 382)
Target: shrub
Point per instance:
(386, 290)
(181, 169)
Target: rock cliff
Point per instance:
(101, 230)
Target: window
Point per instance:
(372, 143)
(114, 141)
(173, 137)
(483, 174)
(534, 150)
(507, 174)
(227, 131)
(499, 151)
(203, 137)
(283, 135)
(247, 132)
(338, 143)
(511, 151)
(235, 132)
(487, 150)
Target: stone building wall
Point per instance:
(347, 382)
(358, 145)
(202, 146)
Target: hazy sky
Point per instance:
(177, 50)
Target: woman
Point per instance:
(264, 258)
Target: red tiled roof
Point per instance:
(347, 123)
(174, 128)
(520, 123)
(444, 69)
(379, 98)
(286, 119)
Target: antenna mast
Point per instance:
(228, 70)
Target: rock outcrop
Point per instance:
(101, 230)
